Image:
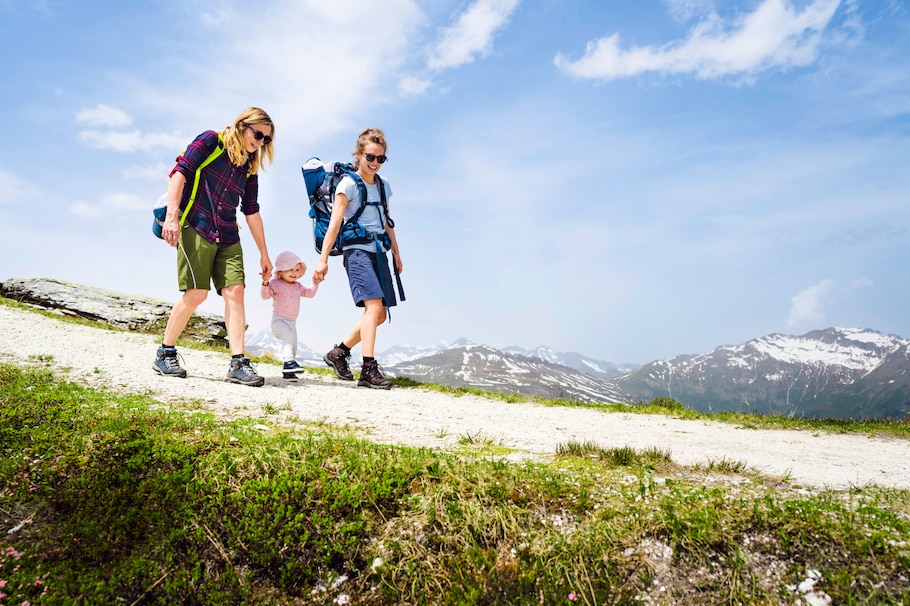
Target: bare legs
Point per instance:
(182, 312)
(234, 315)
(374, 314)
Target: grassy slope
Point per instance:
(113, 499)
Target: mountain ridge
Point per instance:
(834, 372)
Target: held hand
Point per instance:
(266, 272)
(322, 268)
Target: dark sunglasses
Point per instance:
(258, 135)
(373, 158)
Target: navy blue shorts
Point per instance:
(369, 277)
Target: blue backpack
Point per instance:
(321, 180)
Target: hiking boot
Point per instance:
(338, 360)
(371, 376)
(166, 363)
(292, 367)
(242, 372)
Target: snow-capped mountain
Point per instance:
(400, 354)
(832, 373)
(486, 368)
(598, 368)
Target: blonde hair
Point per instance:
(367, 136)
(233, 140)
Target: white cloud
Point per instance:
(157, 171)
(807, 308)
(313, 84)
(104, 115)
(472, 34)
(684, 10)
(773, 36)
(130, 141)
(108, 206)
(412, 86)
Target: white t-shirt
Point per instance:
(370, 217)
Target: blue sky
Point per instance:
(631, 181)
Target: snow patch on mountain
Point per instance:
(853, 349)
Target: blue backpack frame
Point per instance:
(321, 180)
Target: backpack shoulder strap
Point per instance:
(362, 190)
(219, 149)
(385, 202)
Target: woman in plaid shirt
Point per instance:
(207, 237)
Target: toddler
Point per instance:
(285, 292)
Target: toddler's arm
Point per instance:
(266, 292)
(309, 291)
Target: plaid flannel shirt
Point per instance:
(222, 188)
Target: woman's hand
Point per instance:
(170, 231)
(322, 268)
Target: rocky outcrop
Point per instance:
(130, 312)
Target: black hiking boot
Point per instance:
(166, 363)
(241, 371)
(338, 360)
(371, 376)
(290, 370)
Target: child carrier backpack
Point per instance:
(321, 180)
(160, 210)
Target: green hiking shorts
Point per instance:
(201, 263)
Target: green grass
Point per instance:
(115, 499)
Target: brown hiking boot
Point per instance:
(371, 376)
(338, 360)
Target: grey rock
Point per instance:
(128, 311)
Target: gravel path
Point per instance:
(123, 362)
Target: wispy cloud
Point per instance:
(314, 83)
(808, 307)
(106, 121)
(773, 36)
(684, 10)
(867, 234)
(155, 172)
(107, 205)
(412, 86)
(130, 141)
(472, 34)
(104, 115)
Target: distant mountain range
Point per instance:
(834, 373)
(831, 373)
(490, 369)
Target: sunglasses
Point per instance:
(374, 158)
(258, 135)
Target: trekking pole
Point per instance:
(398, 278)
